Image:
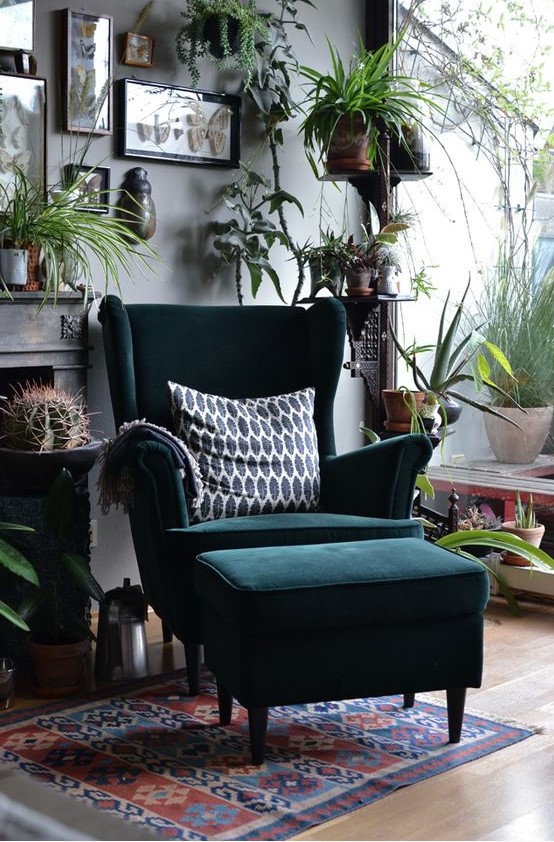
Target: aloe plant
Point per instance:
(525, 515)
(456, 360)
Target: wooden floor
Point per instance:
(508, 795)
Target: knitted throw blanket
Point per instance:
(115, 486)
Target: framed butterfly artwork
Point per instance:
(22, 128)
(179, 125)
(87, 80)
(92, 184)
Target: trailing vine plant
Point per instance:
(258, 203)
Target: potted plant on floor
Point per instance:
(14, 562)
(348, 107)
(224, 31)
(60, 635)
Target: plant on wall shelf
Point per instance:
(224, 31)
(67, 236)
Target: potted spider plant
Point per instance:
(348, 107)
(67, 236)
(223, 31)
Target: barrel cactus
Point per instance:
(42, 418)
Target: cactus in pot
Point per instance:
(41, 417)
(42, 430)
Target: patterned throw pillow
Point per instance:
(251, 456)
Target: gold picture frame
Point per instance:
(138, 50)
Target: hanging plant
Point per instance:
(223, 31)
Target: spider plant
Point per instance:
(365, 87)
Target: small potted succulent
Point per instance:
(224, 31)
(526, 526)
(42, 429)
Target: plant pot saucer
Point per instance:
(397, 426)
(359, 291)
(30, 470)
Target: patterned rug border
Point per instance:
(486, 734)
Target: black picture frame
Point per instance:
(17, 25)
(179, 125)
(88, 76)
(23, 122)
(94, 186)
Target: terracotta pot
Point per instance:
(358, 282)
(532, 536)
(518, 445)
(397, 407)
(347, 150)
(57, 668)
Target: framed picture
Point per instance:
(17, 25)
(93, 186)
(23, 127)
(182, 125)
(138, 50)
(87, 95)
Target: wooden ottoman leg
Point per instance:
(257, 721)
(409, 699)
(225, 704)
(455, 702)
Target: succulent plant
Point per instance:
(42, 417)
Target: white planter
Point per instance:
(13, 266)
(518, 445)
(386, 285)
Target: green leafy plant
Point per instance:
(515, 312)
(366, 87)
(14, 561)
(43, 418)
(67, 236)
(193, 42)
(525, 516)
(48, 619)
(457, 359)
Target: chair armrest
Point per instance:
(377, 480)
(157, 503)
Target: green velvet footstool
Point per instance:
(292, 625)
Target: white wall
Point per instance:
(184, 196)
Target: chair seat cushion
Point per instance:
(340, 584)
(284, 530)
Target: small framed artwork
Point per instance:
(180, 125)
(23, 128)
(138, 50)
(93, 185)
(87, 95)
(17, 25)
(8, 63)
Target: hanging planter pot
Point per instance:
(221, 34)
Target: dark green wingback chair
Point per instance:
(237, 352)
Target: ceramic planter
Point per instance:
(532, 536)
(57, 668)
(358, 282)
(13, 266)
(398, 410)
(347, 150)
(518, 445)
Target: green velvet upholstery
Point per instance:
(342, 620)
(249, 351)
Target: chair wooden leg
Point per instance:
(167, 633)
(409, 699)
(225, 704)
(192, 660)
(455, 702)
(257, 721)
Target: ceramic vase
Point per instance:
(520, 444)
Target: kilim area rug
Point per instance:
(153, 756)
